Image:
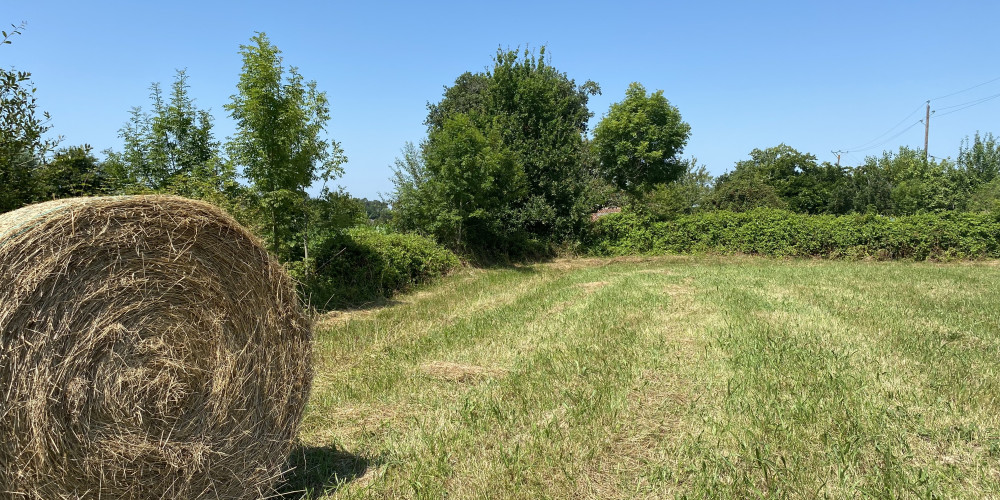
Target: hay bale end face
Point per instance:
(149, 348)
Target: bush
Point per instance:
(362, 265)
(780, 233)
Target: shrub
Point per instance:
(774, 232)
(362, 265)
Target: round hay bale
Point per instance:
(149, 348)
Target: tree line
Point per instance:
(260, 175)
(508, 166)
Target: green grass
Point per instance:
(702, 377)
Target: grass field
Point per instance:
(703, 377)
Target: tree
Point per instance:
(986, 198)
(73, 171)
(331, 212)
(903, 183)
(640, 139)
(278, 143)
(412, 198)
(783, 177)
(872, 187)
(475, 180)
(172, 149)
(22, 143)
(518, 130)
(981, 159)
(767, 179)
(819, 189)
(690, 193)
(376, 211)
(745, 191)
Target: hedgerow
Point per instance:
(780, 233)
(362, 265)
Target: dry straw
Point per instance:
(149, 349)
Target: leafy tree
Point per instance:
(767, 179)
(476, 180)
(172, 149)
(413, 200)
(782, 177)
(690, 193)
(518, 130)
(822, 188)
(903, 183)
(468, 94)
(278, 143)
(640, 139)
(73, 171)
(745, 191)
(872, 188)
(376, 210)
(22, 143)
(330, 213)
(981, 159)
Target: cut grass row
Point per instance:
(701, 377)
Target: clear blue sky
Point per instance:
(818, 76)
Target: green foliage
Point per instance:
(412, 196)
(326, 215)
(986, 198)
(688, 194)
(278, 143)
(22, 143)
(639, 141)
(745, 191)
(376, 211)
(170, 150)
(782, 177)
(73, 171)
(362, 265)
(903, 183)
(781, 233)
(981, 159)
(475, 180)
(504, 164)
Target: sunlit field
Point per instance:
(704, 377)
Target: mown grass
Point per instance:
(700, 377)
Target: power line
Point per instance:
(953, 109)
(901, 132)
(966, 105)
(887, 132)
(966, 90)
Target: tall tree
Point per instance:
(981, 158)
(171, 149)
(504, 161)
(280, 121)
(640, 139)
(22, 142)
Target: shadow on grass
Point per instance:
(318, 471)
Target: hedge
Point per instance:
(779, 233)
(362, 265)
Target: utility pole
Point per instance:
(838, 156)
(927, 129)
